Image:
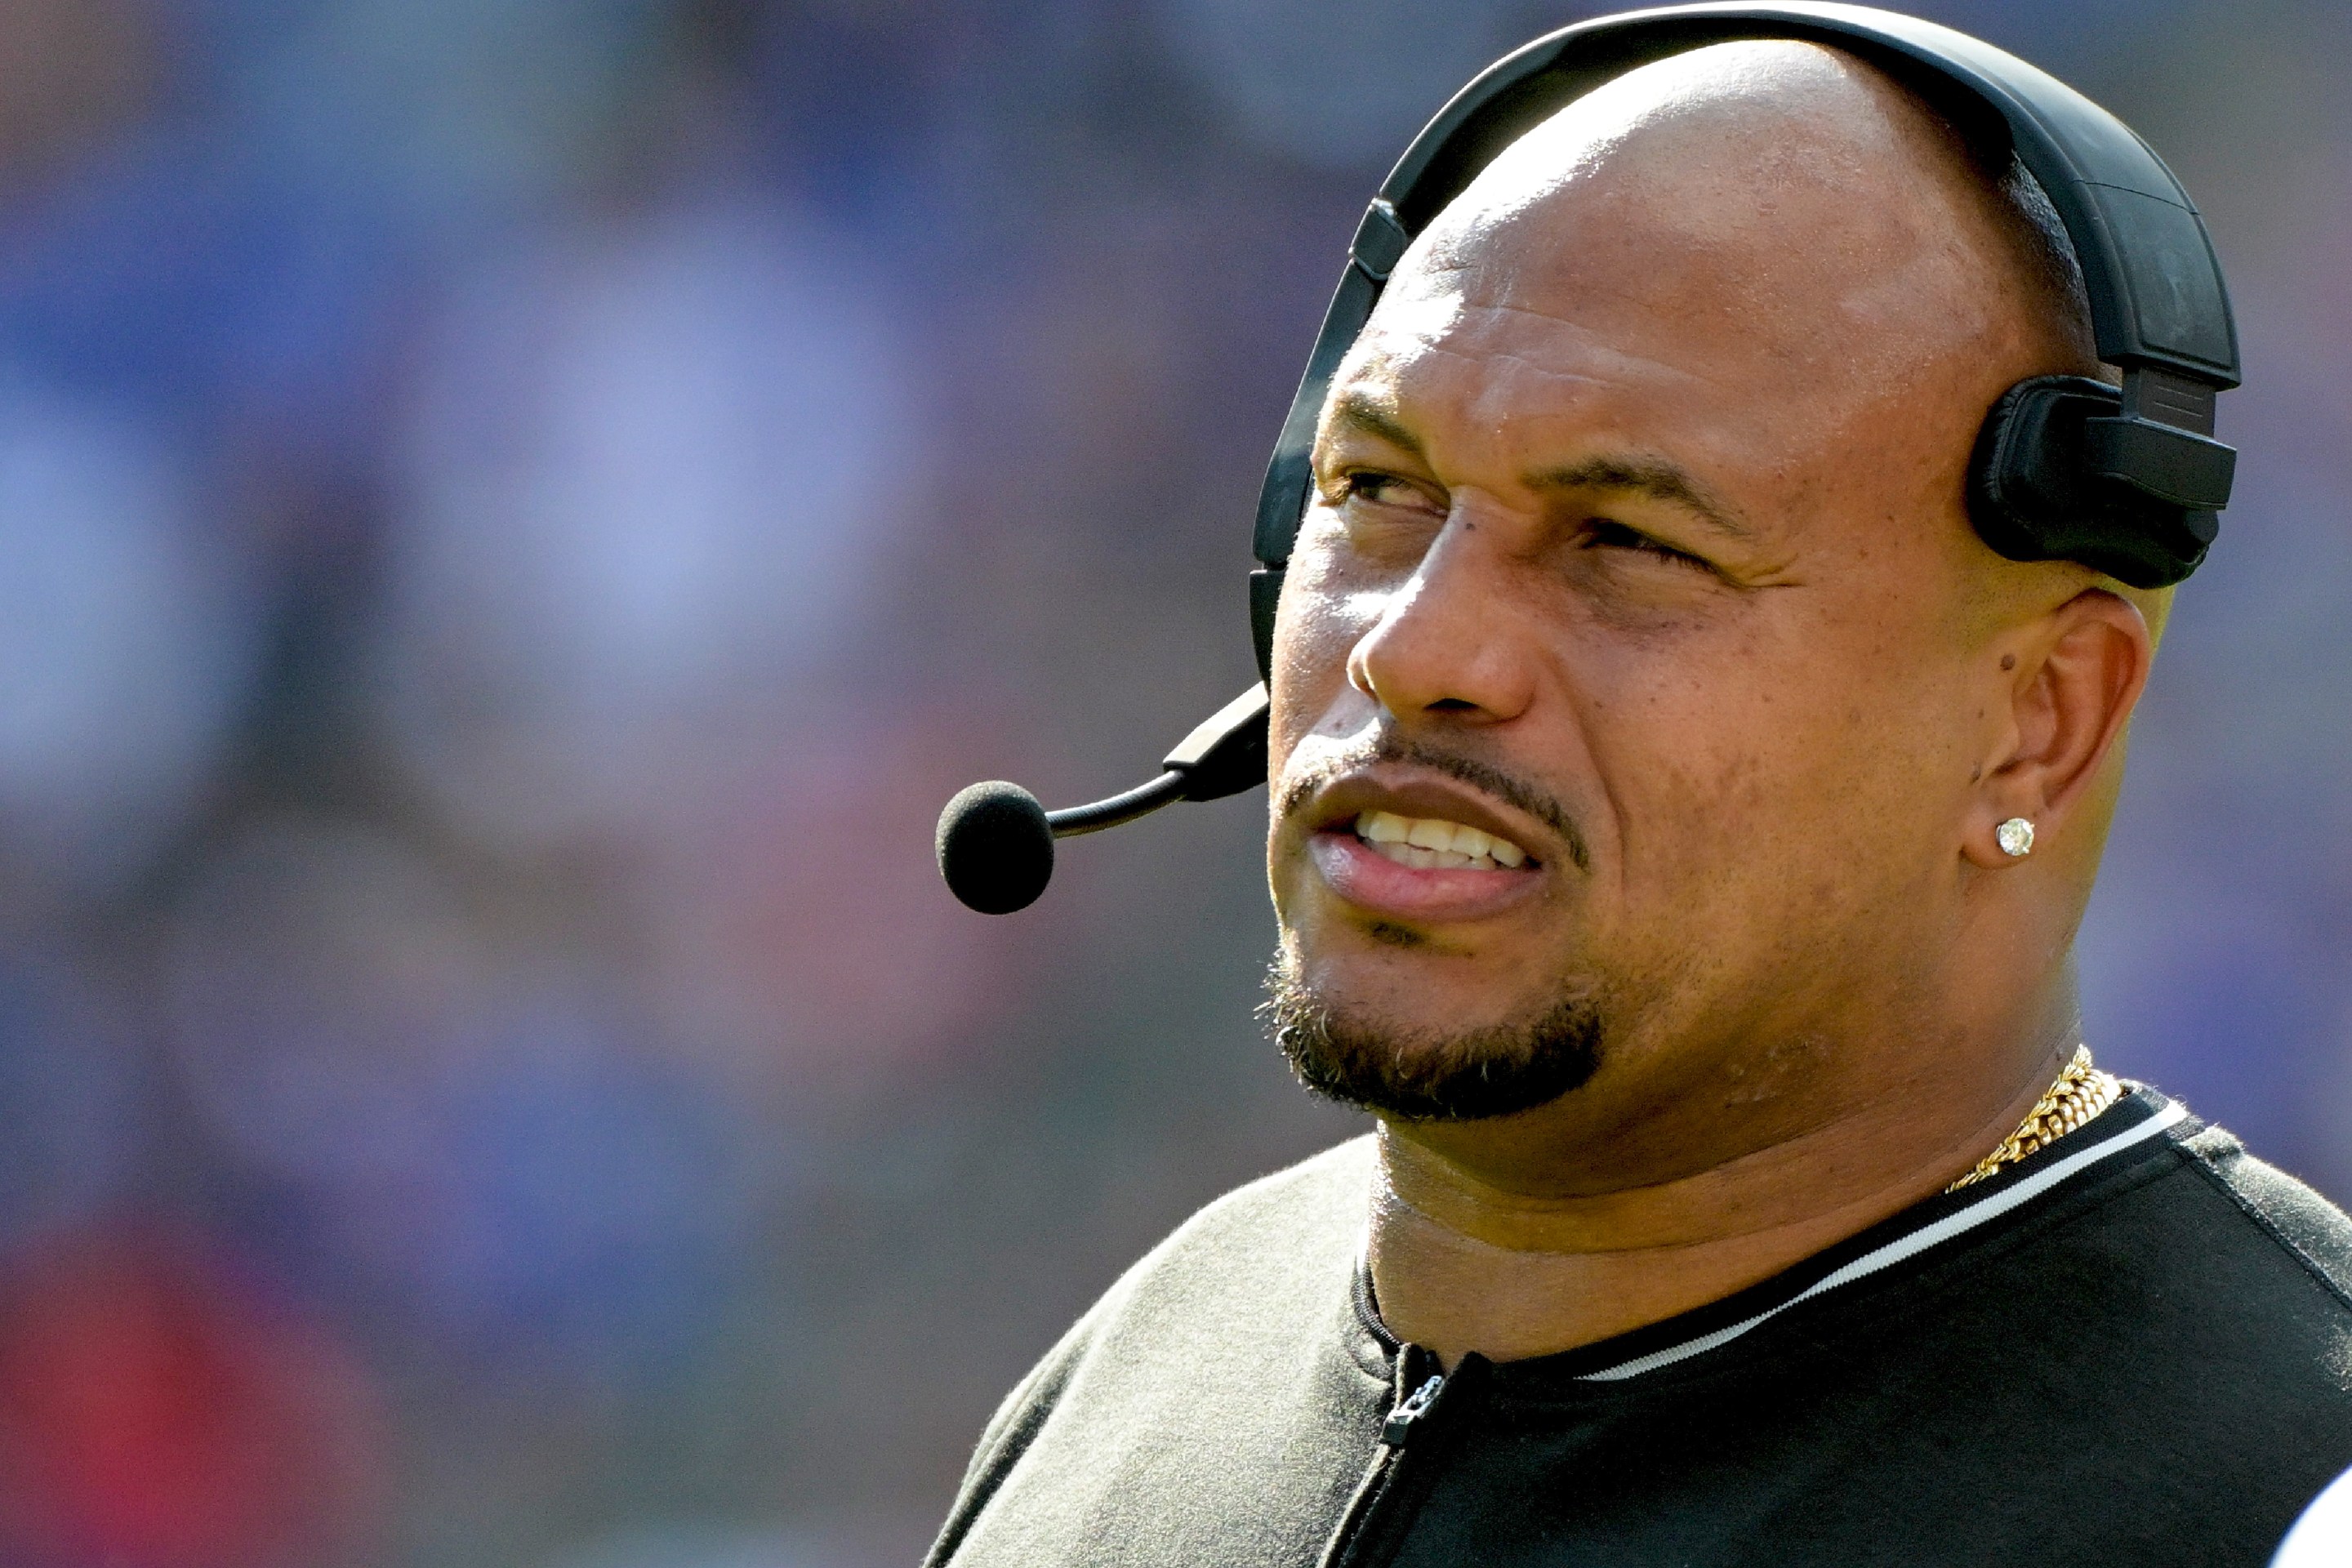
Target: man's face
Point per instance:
(1625, 663)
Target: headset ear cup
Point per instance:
(2025, 475)
(2033, 496)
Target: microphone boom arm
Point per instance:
(1140, 801)
(995, 843)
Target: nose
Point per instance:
(1446, 647)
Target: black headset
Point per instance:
(2128, 480)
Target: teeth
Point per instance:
(1432, 843)
(1429, 832)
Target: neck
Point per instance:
(1465, 1259)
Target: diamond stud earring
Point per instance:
(2015, 838)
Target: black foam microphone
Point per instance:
(995, 843)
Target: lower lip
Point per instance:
(1370, 880)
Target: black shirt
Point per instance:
(2133, 1347)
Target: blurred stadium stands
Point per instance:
(513, 516)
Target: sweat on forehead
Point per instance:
(1810, 209)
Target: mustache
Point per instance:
(1390, 747)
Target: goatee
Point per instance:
(1500, 1070)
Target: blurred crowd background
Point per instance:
(513, 516)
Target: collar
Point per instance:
(2119, 1136)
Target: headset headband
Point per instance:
(2159, 311)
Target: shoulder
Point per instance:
(2217, 1382)
(1297, 1221)
(2297, 1222)
(1254, 1252)
(1256, 1263)
(1248, 1274)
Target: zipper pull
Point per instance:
(1398, 1427)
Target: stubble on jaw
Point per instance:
(1501, 1070)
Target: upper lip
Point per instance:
(1412, 791)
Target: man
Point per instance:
(1680, 823)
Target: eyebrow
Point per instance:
(1361, 411)
(1652, 477)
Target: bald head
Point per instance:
(1828, 218)
(1816, 217)
(1640, 516)
(1833, 229)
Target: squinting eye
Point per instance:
(1604, 534)
(1377, 488)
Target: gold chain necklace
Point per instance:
(2081, 1093)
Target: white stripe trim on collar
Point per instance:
(1991, 1206)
